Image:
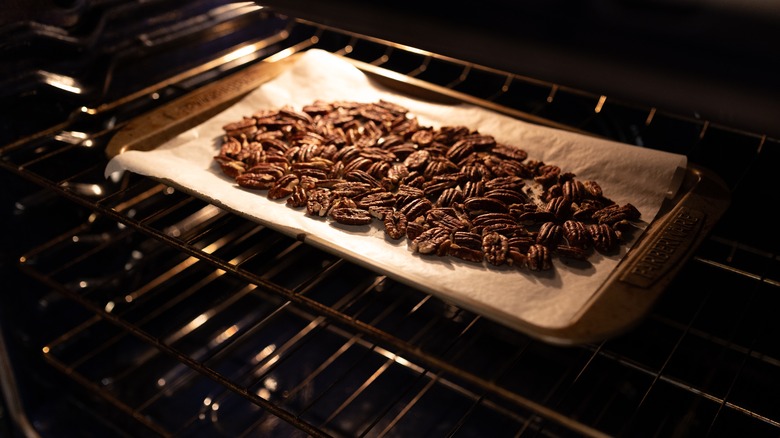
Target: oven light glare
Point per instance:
(239, 53)
(206, 401)
(83, 284)
(600, 104)
(215, 407)
(66, 83)
(227, 334)
(161, 382)
(264, 393)
(265, 352)
(46, 350)
(109, 307)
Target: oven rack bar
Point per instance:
(83, 294)
(26, 160)
(240, 227)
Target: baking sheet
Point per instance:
(517, 297)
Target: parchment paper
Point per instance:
(520, 298)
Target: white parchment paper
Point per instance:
(520, 298)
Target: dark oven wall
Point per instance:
(130, 308)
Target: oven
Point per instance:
(131, 308)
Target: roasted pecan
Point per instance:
(430, 241)
(416, 208)
(298, 197)
(256, 181)
(603, 237)
(538, 258)
(480, 204)
(377, 199)
(465, 253)
(283, 187)
(395, 224)
(510, 152)
(417, 159)
(318, 202)
(495, 248)
(351, 216)
(549, 234)
(572, 252)
(615, 213)
(576, 234)
(449, 196)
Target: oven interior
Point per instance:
(130, 308)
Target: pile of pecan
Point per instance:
(450, 191)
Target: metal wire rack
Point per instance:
(195, 321)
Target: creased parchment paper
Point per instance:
(517, 297)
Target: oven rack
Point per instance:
(446, 356)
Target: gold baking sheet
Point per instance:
(572, 303)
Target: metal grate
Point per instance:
(200, 322)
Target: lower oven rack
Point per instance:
(190, 320)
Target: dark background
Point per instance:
(710, 59)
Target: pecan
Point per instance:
(516, 258)
(298, 197)
(593, 188)
(273, 169)
(547, 175)
(416, 208)
(449, 196)
(415, 228)
(506, 183)
(460, 150)
(573, 190)
(465, 253)
(231, 168)
(481, 204)
(342, 202)
(351, 216)
(361, 176)
(549, 234)
(442, 218)
(256, 181)
(576, 234)
(283, 187)
(473, 189)
(603, 237)
(495, 248)
(351, 189)
(395, 224)
(510, 152)
(521, 243)
(377, 199)
(615, 213)
(417, 159)
(246, 126)
(430, 241)
(506, 196)
(423, 137)
(538, 258)
(407, 194)
(572, 252)
(560, 207)
(318, 202)
(467, 239)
